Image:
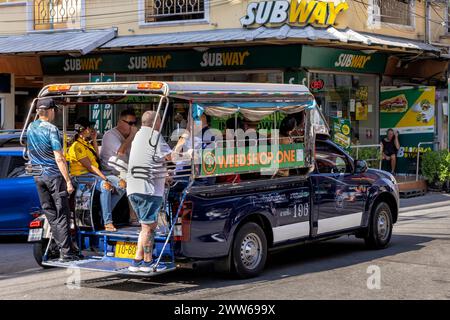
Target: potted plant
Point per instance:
(436, 169)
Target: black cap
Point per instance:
(44, 104)
(83, 123)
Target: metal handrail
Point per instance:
(357, 146)
(418, 155)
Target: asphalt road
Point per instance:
(415, 266)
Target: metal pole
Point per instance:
(417, 162)
(65, 129)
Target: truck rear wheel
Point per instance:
(249, 252)
(380, 227)
(39, 251)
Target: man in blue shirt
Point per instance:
(54, 184)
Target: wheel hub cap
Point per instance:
(383, 225)
(251, 251)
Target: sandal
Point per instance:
(110, 227)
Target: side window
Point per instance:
(16, 167)
(330, 159)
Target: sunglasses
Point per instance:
(131, 123)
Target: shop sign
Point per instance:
(182, 60)
(343, 60)
(341, 131)
(102, 114)
(410, 111)
(222, 161)
(293, 12)
(317, 85)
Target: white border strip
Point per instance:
(340, 223)
(291, 231)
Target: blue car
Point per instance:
(19, 199)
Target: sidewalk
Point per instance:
(428, 201)
(428, 215)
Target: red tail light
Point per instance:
(36, 224)
(182, 230)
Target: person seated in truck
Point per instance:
(298, 134)
(231, 125)
(389, 148)
(84, 160)
(203, 138)
(287, 126)
(115, 150)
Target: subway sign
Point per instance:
(342, 60)
(293, 12)
(176, 60)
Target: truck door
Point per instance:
(339, 197)
(292, 206)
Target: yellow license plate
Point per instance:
(126, 250)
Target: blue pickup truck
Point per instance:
(18, 195)
(283, 183)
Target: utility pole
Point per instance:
(427, 22)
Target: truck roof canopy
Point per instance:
(193, 91)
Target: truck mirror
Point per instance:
(360, 166)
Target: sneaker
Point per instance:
(135, 265)
(161, 267)
(146, 266)
(68, 258)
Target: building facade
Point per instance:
(356, 56)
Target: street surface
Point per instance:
(415, 266)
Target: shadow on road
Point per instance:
(318, 257)
(13, 239)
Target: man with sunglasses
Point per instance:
(117, 141)
(116, 145)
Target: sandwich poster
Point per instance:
(410, 111)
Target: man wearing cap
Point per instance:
(54, 184)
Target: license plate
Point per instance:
(35, 235)
(126, 250)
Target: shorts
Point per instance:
(146, 207)
(388, 154)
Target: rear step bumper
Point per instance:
(110, 265)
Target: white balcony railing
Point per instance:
(56, 14)
(174, 10)
(395, 11)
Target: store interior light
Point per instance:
(369, 51)
(201, 49)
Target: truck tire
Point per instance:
(380, 227)
(249, 251)
(39, 250)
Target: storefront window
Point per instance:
(352, 97)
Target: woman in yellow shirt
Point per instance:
(84, 160)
